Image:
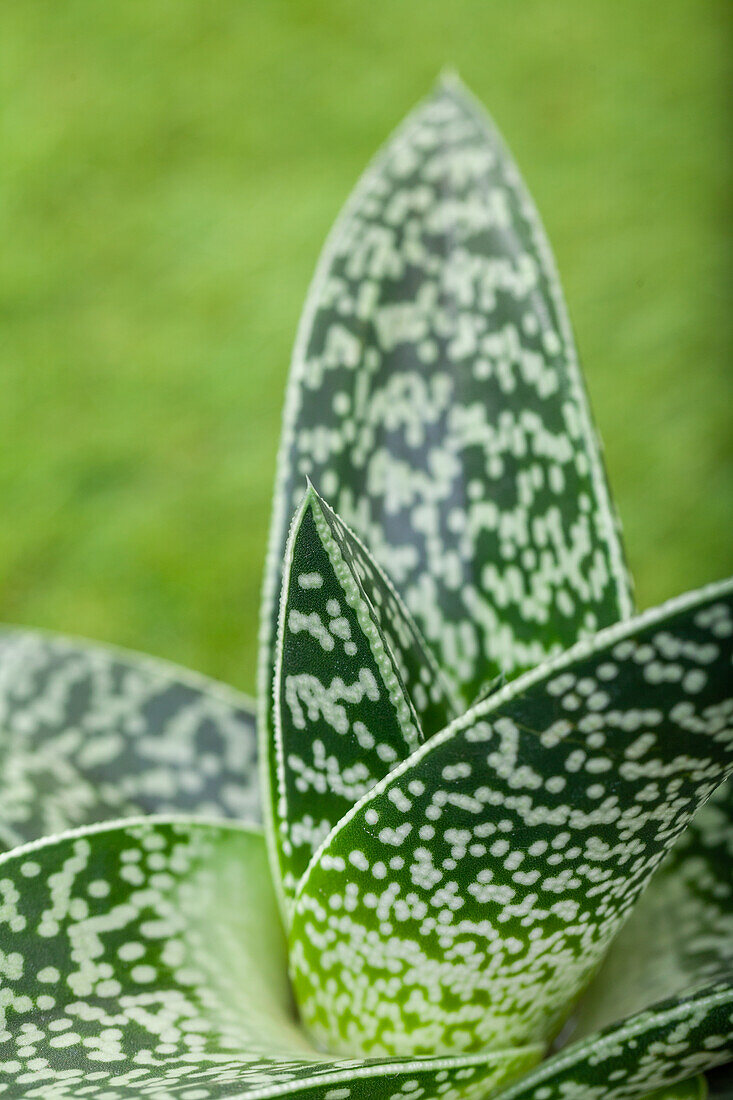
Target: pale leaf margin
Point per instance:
(228, 847)
(449, 85)
(330, 873)
(602, 1067)
(582, 649)
(273, 770)
(84, 696)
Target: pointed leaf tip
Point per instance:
(436, 399)
(354, 687)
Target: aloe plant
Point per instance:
(488, 851)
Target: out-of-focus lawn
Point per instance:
(169, 172)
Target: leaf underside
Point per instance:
(435, 400)
(468, 899)
(147, 958)
(90, 733)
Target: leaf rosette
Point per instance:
(488, 849)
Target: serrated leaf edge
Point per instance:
(407, 718)
(448, 687)
(591, 436)
(586, 647)
(615, 1036)
(343, 1074)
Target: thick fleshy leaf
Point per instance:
(343, 713)
(90, 733)
(425, 683)
(147, 959)
(680, 936)
(435, 399)
(467, 900)
(669, 1042)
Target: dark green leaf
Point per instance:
(89, 733)
(436, 400)
(680, 936)
(694, 1088)
(343, 714)
(670, 1041)
(469, 897)
(147, 959)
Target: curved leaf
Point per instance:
(435, 398)
(147, 958)
(469, 897)
(89, 733)
(680, 936)
(647, 1051)
(343, 713)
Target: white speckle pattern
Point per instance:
(679, 937)
(454, 883)
(90, 733)
(436, 400)
(347, 655)
(672, 1041)
(488, 932)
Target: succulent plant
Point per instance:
(488, 849)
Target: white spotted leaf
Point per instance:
(650, 1050)
(146, 958)
(662, 1003)
(354, 688)
(679, 938)
(91, 733)
(435, 399)
(470, 896)
(539, 877)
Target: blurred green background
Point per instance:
(169, 172)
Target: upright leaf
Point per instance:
(467, 900)
(147, 959)
(89, 733)
(343, 714)
(429, 691)
(436, 400)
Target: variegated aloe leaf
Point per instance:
(435, 399)
(468, 898)
(649, 1050)
(354, 688)
(89, 733)
(147, 959)
(680, 936)
(677, 950)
